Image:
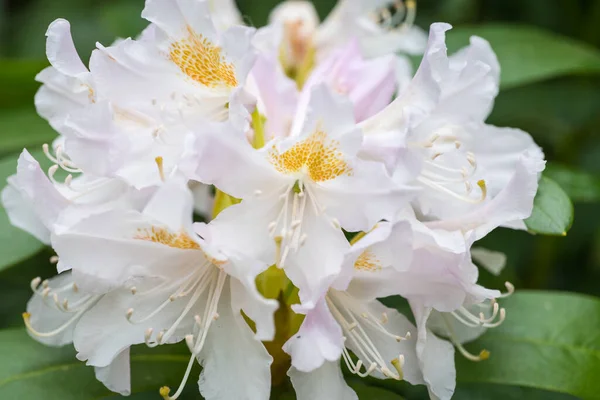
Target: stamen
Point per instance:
(53, 259)
(510, 290)
(159, 164)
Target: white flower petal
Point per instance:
(116, 376)
(60, 49)
(46, 316)
(32, 190)
(319, 340)
(436, 357)
(366, 197)
(104, 331)
(471, 82)
(245, 296)
(389, 347)
(236, 365)
(323, 383)
(230, 163)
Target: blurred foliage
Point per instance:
(550, 58)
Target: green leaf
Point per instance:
(541, 110)
(17, 79)
(552, 210)
(528, 54)
(23, 128)
(478, 391)
(579, 185)
(15, 244)
(39, 372)
(549, 341)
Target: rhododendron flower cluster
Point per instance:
(213, 173)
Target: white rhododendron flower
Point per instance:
(186, 286)
(287, 142)
(297, 192)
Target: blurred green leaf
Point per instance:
(528, 54)
(17, 80)
(578, 184)
(542, 109)
(39, 372)
(15, 245)
(550, 341)
(22, 128)
(552, 210)
(478, 391)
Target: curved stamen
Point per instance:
(483, 354)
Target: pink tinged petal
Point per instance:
(47, 316)
(60, 49)
(361, 200)
(323, 383)
(245, 296)
(278, 95)
(116, 376)
(318, 341)
(235, 364)
(369, 84)
(436, 357)
(231, 164)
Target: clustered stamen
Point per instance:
(353, 318)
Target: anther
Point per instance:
(45, 284)
(128, 314)
(303, 239)
(133, 290)
(159, 164)
(398, 363)
(148, 335)
(384, 318)
(35, 282)
(216, 316)
(75, 287)
(53, 259)
(65, 304)
(436, 155)
(189, 341)
(164, 392)
(258, 192)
